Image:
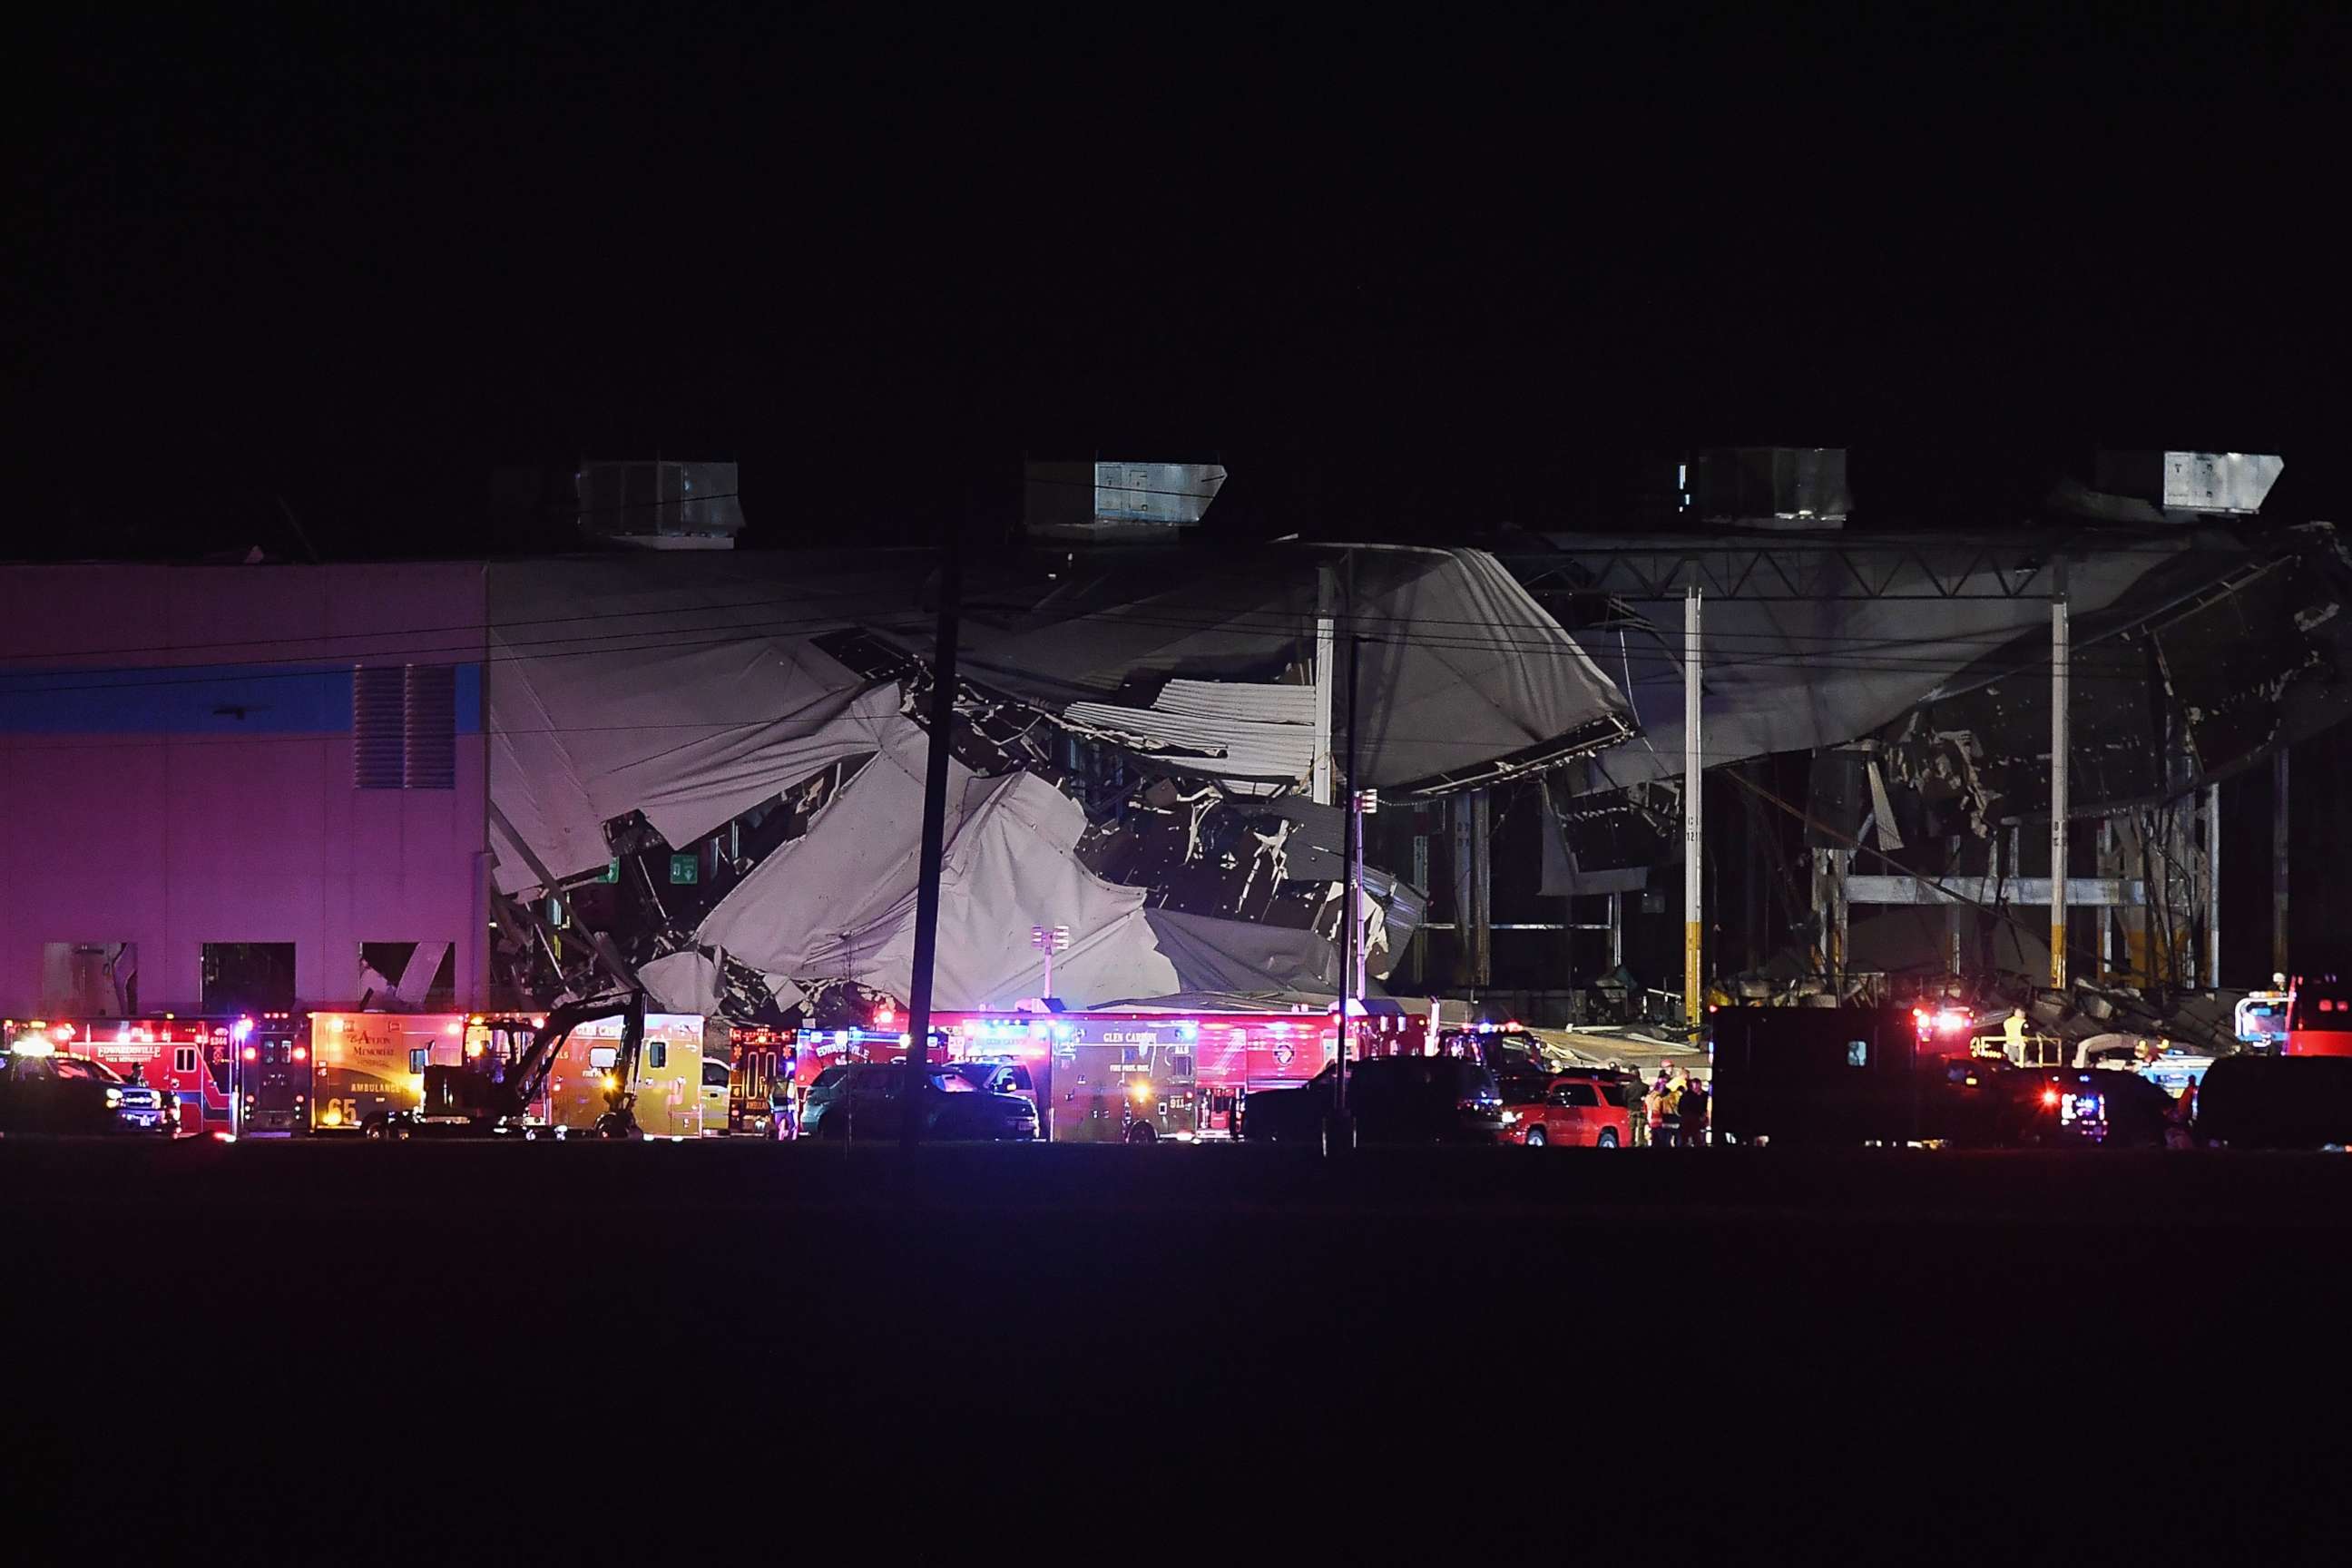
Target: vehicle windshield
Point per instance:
(953, 1083)
(100, 1071)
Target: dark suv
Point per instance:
(42, 1091)
(868, 1100)
(1393, 1099)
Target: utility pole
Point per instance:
(1360, 803)
(2279, 861)
(2212, 886)
(1341, 1135)
(935, 820)
(1693, 817)
(2058, 657)
(1326, 668)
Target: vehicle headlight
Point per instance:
(1509, 1117)
(113, 1096)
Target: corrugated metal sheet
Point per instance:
(1253, 738)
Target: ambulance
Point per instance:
(236, 1075)
(669, 1083)
(365, 1066)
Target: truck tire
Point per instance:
(1142, 1132)
(1607, 1138)
(1537, 1137)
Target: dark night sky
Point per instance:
(1416, 282)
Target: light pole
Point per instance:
(1049, 941)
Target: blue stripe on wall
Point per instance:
(198, 700)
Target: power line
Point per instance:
(1860, 654)
(268, 669)
(475, 626)
(502, 653)
(1236, 619)
(1343, 619)
(1556, 648)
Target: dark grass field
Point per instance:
(743, 1347)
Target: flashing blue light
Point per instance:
(241, 1029)
(841, 1037)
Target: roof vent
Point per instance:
(661, 505)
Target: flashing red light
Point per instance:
(2049, 1097)
(252, 1055)
(301, 1053)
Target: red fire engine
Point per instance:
(249, 1073)
(764, 1061)
(2319, 1017)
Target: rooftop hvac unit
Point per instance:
(1116, 500)
(661, 505)
(2194, 484)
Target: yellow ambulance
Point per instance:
(364, 1066)
(668, 1083)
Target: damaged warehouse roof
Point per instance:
(1927, 650)
(1135, 735)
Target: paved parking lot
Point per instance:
(1534, 1306)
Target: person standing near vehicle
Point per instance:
(2182, 1133)
(1693, 1106)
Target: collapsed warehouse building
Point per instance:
(1877, 712)
(705, 770)
(488, 784)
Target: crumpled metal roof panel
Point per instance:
(1253, 737)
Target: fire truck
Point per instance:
(2318, 1017)
(1141, 1077)
(233, 1075)
(762, 1064)
(765, 1064)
